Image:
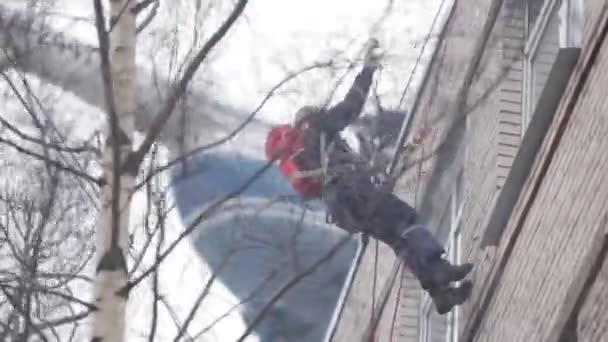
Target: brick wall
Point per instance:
(568, 209)
(592, 320)
(563, 218)
(490, 143)
(482, 139)
(436, 110)
(558, 231)
(436, 99)
(482, 184)
(560, 226)
(366, 289)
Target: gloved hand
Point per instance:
(373, 54)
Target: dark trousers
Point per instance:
(355, 204)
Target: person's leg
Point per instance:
(340, 205)
(424, 254)
(393, 221)
(446, 298)
(397, 223)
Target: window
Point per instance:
(552, 50)
(454, 253)
(435, 327)
(551, 25)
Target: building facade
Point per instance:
(512, 179)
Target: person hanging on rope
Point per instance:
(320, 165)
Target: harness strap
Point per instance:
(323, 152)
(324, 162)
(409, 229)
(333, 171)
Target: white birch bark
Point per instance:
(50, 52)
(110, 321)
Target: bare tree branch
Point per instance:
(250, 297)
(14, 302)
(291, 283)
(184, 328)
(142, 5)
(160, 214)
(64, 321)
(179, 88)
(106, 74)
(150, 17)
(58, 165)
(212, 209)
(460, 112)
(241, 126)
(38, 141)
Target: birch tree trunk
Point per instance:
(113, 225)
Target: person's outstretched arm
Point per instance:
(348, 110)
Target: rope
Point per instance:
(374, 281)
(369, 333)
(397, 300)
(405, 127)
(364, 236)
(330, 332)
(390, 282)
(419, 58)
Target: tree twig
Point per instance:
(240, 127)
(209, 211)
(151, 15)
(291, 283)
(58, 165)
(179, 88)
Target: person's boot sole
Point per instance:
(444, 280)
(464, 293)
(467, 289)
(466, 269)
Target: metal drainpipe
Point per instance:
(363, 241)
(331, 329)
(348, 283)
(403, 134)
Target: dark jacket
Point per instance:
(333, 120)
(353, 201)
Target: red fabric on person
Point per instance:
(284, 142)
(307, 187)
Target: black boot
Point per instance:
(448, 297)
(441, 273)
